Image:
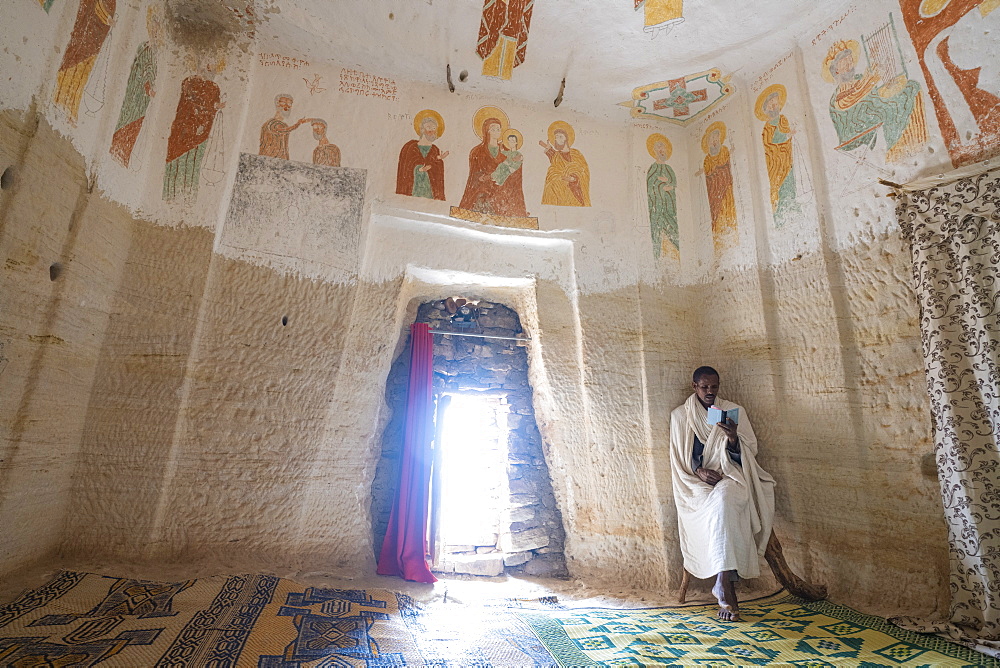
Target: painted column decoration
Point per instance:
(778, 155)
(661, 192)
(90, 31)
(503, 36)
(567, 182)
(420, 171)
(954, 40)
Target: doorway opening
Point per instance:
(471, 503)
(517, 527)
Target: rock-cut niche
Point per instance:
(520, 530)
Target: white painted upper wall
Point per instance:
(837, 200)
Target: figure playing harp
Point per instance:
(881, 97)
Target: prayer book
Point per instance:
(716, 414)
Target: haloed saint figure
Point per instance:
(661, 195)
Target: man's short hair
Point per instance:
(702, 371)
(281, 95)
(318, 121)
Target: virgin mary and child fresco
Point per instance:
(494, 185)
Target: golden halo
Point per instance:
(427, 113)
(929, 8)
(651, 144)
(565, 127)
(718, 125)
(782, 93)
(520, 138)
(838, 46)
(489, 112)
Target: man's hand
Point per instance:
(730, 428)
(710, 476)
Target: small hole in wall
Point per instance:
(391, 16)
(7, 179)
(284, 320)
(463, 75)
(55, 270)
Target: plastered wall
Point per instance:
(207, 388)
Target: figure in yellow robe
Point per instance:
(719, 183)
(567, 182)
(93, 23)
(777, 139)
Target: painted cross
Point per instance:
(679, 98)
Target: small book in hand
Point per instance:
(716, 414)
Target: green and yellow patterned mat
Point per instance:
(83, 619)
(777, 630)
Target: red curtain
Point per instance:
(405, 547)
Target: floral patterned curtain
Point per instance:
(954, 235)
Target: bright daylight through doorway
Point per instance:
(474, 508)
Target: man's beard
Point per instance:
(284, 113)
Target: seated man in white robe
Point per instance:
(725, 501)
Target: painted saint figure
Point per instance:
(777, 137)
(719, 183)
(503, 36)
(567, 182)
(200, 101)
(274, 132)
(93, 23)
(138, 92)
(661, 193)
(420, 171)
(661, 14)
(863, 103)
(482, 193)
(325, 153)
(513, 140)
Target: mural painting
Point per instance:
(420, 171)
(567, 182)
(880, 100)
(661, 193)
(661, 15)
(719, 184)
(493, 192)
(778, 152)
(275, 131)
(325, 152)
(680, 100)
(951, 38)
(138, 91)
(198, 110)
(503, 36)
(46, 5)
(314, 85)
(90, 31)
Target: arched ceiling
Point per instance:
(598, 45)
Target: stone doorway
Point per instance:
(525, 534)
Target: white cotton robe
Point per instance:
(725, 527)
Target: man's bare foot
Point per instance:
(725, 592)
